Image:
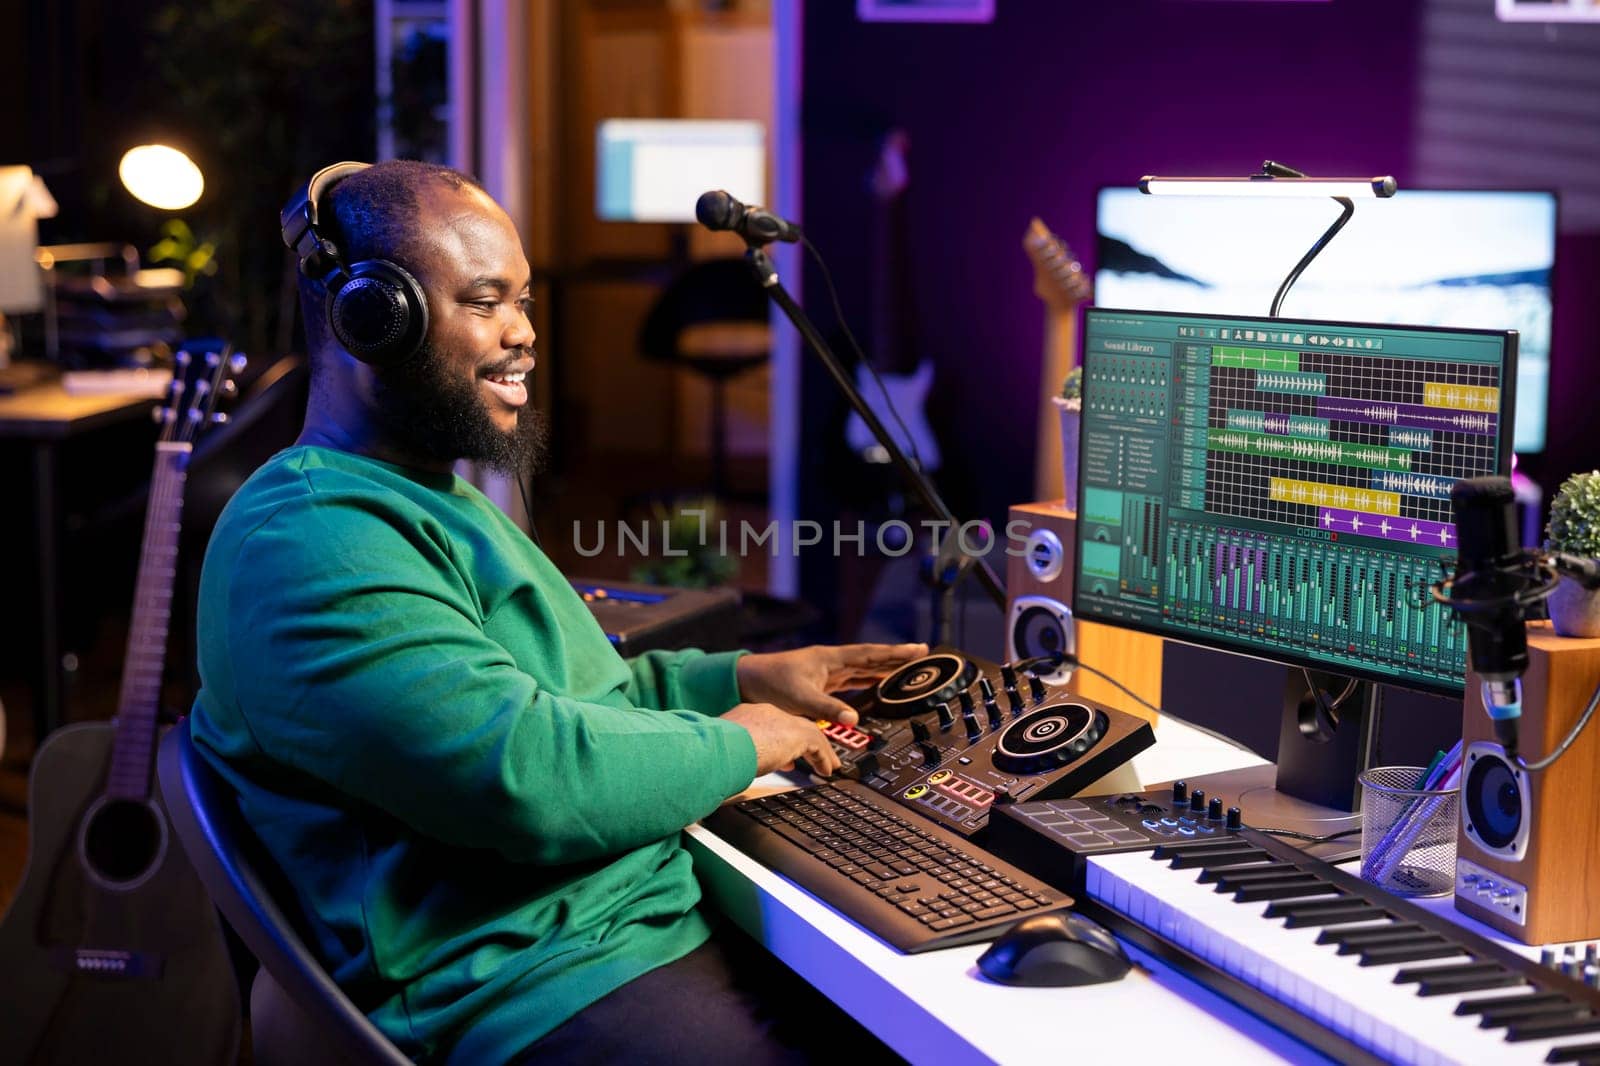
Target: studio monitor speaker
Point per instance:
(1042, 541)
(1528, 852)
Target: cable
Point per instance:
(1330, 710)
(844, 327)
(1056, 660)
(533, 530)
(1561, 749)
(1305, 836)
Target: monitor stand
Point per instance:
(1313, 789)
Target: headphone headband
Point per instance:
(298, 221)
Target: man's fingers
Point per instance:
(874, 655)
(831, 709)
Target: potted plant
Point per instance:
(1575, 528)
(1070, 404)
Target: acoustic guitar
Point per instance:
(1060, 281)
(111, 951)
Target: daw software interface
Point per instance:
(1281, 488)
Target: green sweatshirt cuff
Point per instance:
(711, 682)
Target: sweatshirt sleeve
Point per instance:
(689, 678)
(367, 668)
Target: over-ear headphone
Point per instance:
(375, 308)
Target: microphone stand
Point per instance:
(945, 577)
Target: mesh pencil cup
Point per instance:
(1408, 835)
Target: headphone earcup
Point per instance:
(379, 312)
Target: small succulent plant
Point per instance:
(1072, 388)
(1575, 516)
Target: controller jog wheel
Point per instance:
(920, 686)
(1049, 738)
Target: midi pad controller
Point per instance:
(951, 737)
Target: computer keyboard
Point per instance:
(916, 886)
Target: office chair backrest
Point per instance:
(715, 290)
(239, 878)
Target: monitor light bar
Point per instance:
(1264, 185)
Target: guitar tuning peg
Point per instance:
(239, 361)
(182, 358)
(158, 414)
(230, 388)
(194, 415)
(219, 418)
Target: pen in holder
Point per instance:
(1408, 834)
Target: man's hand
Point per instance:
(781, 738)
(800, 681)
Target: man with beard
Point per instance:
(478, 804)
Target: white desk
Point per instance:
(934, 1007)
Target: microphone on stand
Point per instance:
(716, 210)
(1491, 582)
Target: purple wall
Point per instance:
(1029, 115)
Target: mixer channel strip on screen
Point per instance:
(1277, 485)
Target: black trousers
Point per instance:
(727, 1001)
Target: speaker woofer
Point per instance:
(1495, 801)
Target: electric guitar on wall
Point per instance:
(111, 951)
(1059, 280)
(892, 338)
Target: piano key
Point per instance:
(1215, 857)
(1539, 1030)
(1500, 1017)
(1391, 953)
(1379, 935)
(1349, 916)
(1454, 986)
(1256, 872)
(1574, 1053)
(1413, 938)
(1167, 851)
(1478, 1006)
(1266, 890)
(1284, 962)
(1414, 974)
(1227, 883)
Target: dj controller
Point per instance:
(951, 736)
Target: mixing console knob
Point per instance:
(969, 716)
(1008, 676)
(867, 764)
(989, 705)
(1036, 687)
(1197, 800)
(947, 717)
(1180, 793)
(1214, 809)
(919, 730)
(931, 755)
(1235, 818)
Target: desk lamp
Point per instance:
(1276, 179)
(161, 176)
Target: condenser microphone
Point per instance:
(716, 210)
(1490, 575)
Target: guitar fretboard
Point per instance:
(140, 697)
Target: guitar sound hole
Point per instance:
(121, 840)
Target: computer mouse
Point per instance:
(1050, 950)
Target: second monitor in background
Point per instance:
(1433, 257)
(1281, 488)
(653, 170)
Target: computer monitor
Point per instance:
(1429, 256)
(654, 170)
(1281, 488)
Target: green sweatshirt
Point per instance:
(478, 803)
